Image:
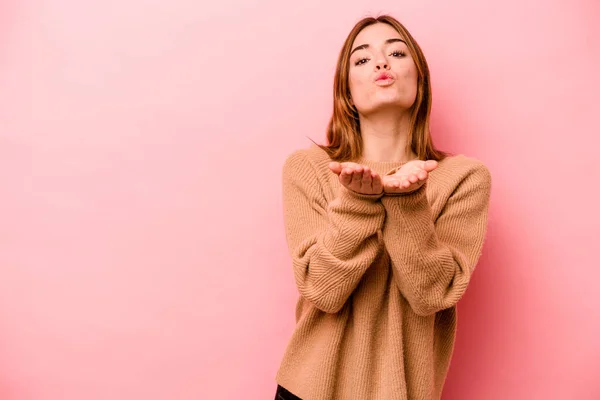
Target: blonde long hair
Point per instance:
(343, 132)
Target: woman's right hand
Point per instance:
(358, 178)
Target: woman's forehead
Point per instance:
(376, 34)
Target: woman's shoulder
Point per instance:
(460, 167)
(312, 158)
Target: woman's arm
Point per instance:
(331, 245)
(433, 261)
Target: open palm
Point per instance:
(410, 177)
(358, 178)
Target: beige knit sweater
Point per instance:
(378, 277)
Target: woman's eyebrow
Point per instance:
(365, 46)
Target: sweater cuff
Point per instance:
(352, 195)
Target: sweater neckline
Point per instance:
(382, 167)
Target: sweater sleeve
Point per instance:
(331, 244)
(433, 260)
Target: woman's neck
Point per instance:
(385, 137)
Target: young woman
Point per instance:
(384, 232)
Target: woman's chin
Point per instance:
(395, 105)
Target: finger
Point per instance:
(388, 185)
(377, 184)
(348, 171)
(355, 184)
(394, 184)
(349, 164)
(366, 175)
(335, 167)
(367, 182)
(398, 186)
(357, 174)
(346, 176)
(430, 165)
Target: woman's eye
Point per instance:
(398, 53)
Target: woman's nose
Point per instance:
(382, 64)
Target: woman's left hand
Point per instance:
(410, 177)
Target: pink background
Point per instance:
(141, 142)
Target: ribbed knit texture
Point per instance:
(379, 277)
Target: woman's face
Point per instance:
(382, 72)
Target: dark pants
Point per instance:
(283, 394)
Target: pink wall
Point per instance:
(141, 241)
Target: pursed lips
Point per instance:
(384, 76)
(384, 79)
